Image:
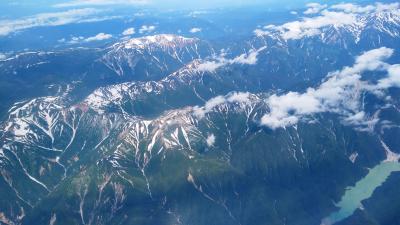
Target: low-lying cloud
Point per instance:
(235, 97)
(249, 58)
(340, 93)
(210, 140)
(314, 8)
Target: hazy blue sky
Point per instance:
(20, 8)
(6, 5)
(17, 8)
(216, 3)
(176, 3)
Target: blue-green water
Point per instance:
(363, 189)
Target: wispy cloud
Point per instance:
(249, 58)
(81, 39)
(210, 66)
(48, 19)
(234, 97)
(195, 30)
(147, 29)
(128, 31)
(352, 8)
(99, 37)
(314, 8)
(77, 3)
(74, 40)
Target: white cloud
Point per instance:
(129, 31)
(99, 37)
(359, 120)
(293, 12)
(339, 93)
(372, 60)
(76, 3)
(261, 32)
(238, 97)
(195, 30)
(393, 79)
(80, 39)
(197, 13)
(309, 26)
(339, 15)
(286, 109)
(234, 97)
(47, 19)
(314, 8)
(210, 140)
(75, 40)
(209, 66)
(146, 29)
(387, 7)
(249, 58)
(352, 8)
(209, 106)
(2, 56)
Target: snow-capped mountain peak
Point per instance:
(338, 22)
(136, 56)
(161, 40)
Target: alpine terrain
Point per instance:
(116, 112)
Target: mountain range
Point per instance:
(167, 129)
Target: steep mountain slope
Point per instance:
(152, 56)
(126, 159)
(79, 71)
(164, 130)
(99, 157)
